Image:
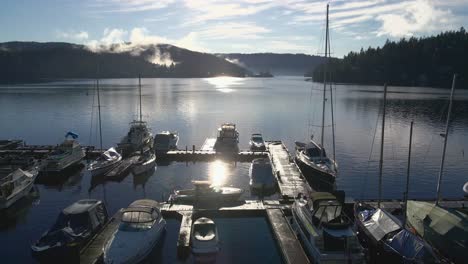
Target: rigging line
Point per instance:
(442, 112)
(92, 117)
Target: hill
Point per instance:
(429, 61)
(33, 61)
(277, 64)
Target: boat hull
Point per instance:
(103, 170)
(318, 179)
(5, 203)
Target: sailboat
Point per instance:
(139, 137)
(445, 229)
(385, 234)
(311, 157)
(108, 159)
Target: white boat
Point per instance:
(165, 141)
(139, 137)
(325, 231)
(108, 160)
(227, 139)
(261, 175)
(67, 154)
(205, 192)
(205, 242)
(141, 228)
(16, 185)
(145, 162)
(257, 143)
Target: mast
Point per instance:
(139, 88)
(99, 113)
(333, 121)
(382, 145)
(324, 85)
(445, 139)
(408, 174)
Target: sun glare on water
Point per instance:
(225, 84)
(218, 172)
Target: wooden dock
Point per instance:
(93, 251)
(290, 180)
(291, 249)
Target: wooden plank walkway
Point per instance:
(183, 241)
(201, 155)
(290, 246)
(92, 252)
(248, 205)
(290, 180)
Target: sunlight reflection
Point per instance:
(218, 171)
(224, 83)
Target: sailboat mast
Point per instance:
(99, 112)
(324, 84)
(445, 139)
(408, 174)
(139, 88)
(382, 145)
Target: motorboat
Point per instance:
(384, 233)
(74, 227)
(261, 175)
(205, 192)
(108, 160)
(257, 143)
(16, 185)
(227, 139)
(443, 228)
(325, 231)
(205, 241)
(165, 141)
(67, 154)
(140, 229)
(145, 162)
(139, 137)
(314, 163)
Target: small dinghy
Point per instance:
(205, 242)
(257, 143)
(105, 162)
(261, 175)
(141, 228)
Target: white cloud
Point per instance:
(233, 30)
(126, 6)
(73, 35)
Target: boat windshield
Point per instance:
(328, 213)
(257, 139)
(161, 139)
(137, 221)
(74, 221)
(315, 152)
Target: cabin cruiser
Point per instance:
(108, 160)
(16, 185)
(227, 139)
(205, 242)
(67, 154)
(74, 227)
(145, 162)
(261, 175)
(141, 228)
(314, 163)
(139, 137)
(386, 234)
(325, 230)
(204, 191)
(165, 141)
(443, 228)
(257, 143)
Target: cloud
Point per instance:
(127, 6)
(233, 30)
(73, 35)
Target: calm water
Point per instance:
(283, 108)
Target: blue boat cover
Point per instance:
(410, 246)
(71, 134)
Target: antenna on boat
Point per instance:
(139, 88)
(445, 140)
(324, 85)
(382, 145)
(408, 174)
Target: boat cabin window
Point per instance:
(74, 221)
(257, 139)
(57, 152)
(327, 212)
(137, 221)
(315, 152)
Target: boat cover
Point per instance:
(410, 246)
(381, 223)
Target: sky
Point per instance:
(228, 26)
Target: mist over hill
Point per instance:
(277, 64)
(34, 61)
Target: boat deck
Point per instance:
(92, 252)
(122, 168)
(290, 180)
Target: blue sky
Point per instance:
(285, 26)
